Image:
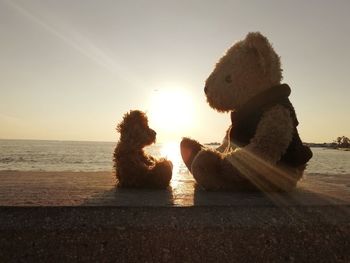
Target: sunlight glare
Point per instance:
(171, 111)
(171, 151)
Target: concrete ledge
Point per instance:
(98, 189)
(175, 234)
(83, 217)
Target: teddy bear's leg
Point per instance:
(288, 177)
(189, 149)
(210, 169)
(206, 168)
(160, 175)
(263, 175)
(213, 172)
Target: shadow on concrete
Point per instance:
(131, 197)
(202, 197)
(185, 192)
(298, 197)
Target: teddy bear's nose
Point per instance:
(205, 89)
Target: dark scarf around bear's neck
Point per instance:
(246, 119)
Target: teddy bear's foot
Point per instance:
(207, 169)
(161, 174)
(189, 149)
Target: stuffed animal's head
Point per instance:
(249, 67)
(134, 130)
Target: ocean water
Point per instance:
(27, 155)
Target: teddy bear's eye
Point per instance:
(228, 79)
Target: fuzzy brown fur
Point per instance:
(135, 168)
(249, 71)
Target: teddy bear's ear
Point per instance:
(260, 44)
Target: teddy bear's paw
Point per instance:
(206, 170)
(189, 149)
(160, 176)
(165, 162)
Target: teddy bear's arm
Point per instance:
(273, 135)
(272, 138)
(226, 146)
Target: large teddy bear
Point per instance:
(262, 149)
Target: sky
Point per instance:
(69, 70)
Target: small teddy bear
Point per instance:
(262, 149)
(135, 168)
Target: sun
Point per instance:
(171, 111)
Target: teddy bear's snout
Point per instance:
(206, 89)
(153, 133)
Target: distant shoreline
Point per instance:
(326, 145)
(212, 143)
